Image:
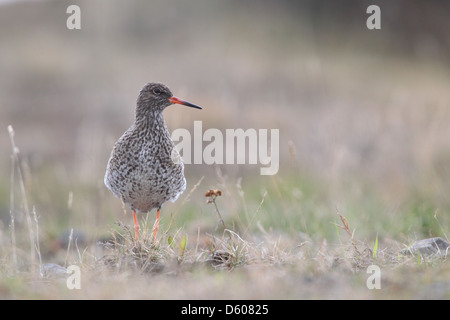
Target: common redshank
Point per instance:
(145, 169)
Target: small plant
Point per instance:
(181, 246)
(346, 227)
(212, 195)
(375, 248)
(124, 253)
(229, 253)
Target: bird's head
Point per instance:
(157, 96)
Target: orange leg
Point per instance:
(156, 226)
(136, 227)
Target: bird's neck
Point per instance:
(149, 119)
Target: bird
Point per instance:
(145, 169)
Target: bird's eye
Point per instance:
(157, 91)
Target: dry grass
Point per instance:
(229, 267)
(223, 265)
(256, 262)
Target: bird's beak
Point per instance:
(185, 103)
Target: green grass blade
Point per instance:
(375, 248)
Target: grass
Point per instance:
(278, 243)
(228, 266)
(253, 234)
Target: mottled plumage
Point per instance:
(145, 170)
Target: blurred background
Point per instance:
(363, 114)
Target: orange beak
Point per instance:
(185, 103)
